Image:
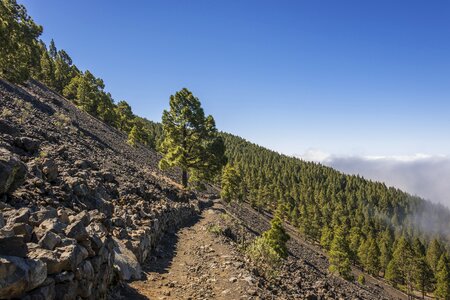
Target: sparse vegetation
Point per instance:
(214, 228)
(6, 113)
(362, 279)
(268, 251)
(62, 120)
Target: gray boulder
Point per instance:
(40, 216)
(62, 259)
(22, 215)
(12, 172)
(44, 292)
(77, 231)
(50, 240)
(49, 169)
(125, 262)
(53, 225)
(19, 275)
(28, 144)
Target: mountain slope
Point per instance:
(80, 209)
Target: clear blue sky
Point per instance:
(346, 77)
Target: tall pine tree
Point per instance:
(340, 255)
(191, 141)
(443, 279)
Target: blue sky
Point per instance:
(343, 77)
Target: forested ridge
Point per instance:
(384, 230)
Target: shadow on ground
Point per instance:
(161, 257)
(128, 292)
(158, 261)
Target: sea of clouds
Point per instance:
(427, 176)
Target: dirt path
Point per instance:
(194, 263)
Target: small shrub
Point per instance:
(268, 251)
(214, 228)
(264, 258)
(6, 113)
(62, 120)
(24, 117)
(225, 217)
(362, 279)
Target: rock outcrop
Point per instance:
(80, 209)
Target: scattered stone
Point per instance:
(22, 215)
(64, 277)
(50, 240)
(46, 213)
(22, 229)
(77, 231)
(49, 169)
(28, 144)
(66, 290)
(53, 225)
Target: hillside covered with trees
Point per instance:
(384, 230)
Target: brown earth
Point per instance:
(195, 263)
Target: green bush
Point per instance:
(264, 258)
(362, 279)
(268, 251)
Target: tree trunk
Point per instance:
(184, 178)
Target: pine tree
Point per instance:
(354, 240)
(190, 140)
(47, 67)
(63, 71)
(231, 184)
(368, 254)
(277, 237)
(423, 274)
(434, 252)
(52, 51)
(133, 136)
(401, 268)
(339, 255)
(326, 237)
(86, 98)
(385, 245)
(19, 50)
(124, 116)
(443, 279)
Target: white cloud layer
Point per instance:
(427, 176)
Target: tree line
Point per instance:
(23, 56)
(383, 230)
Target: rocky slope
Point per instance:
(79, 208)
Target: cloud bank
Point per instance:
(426, 176)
